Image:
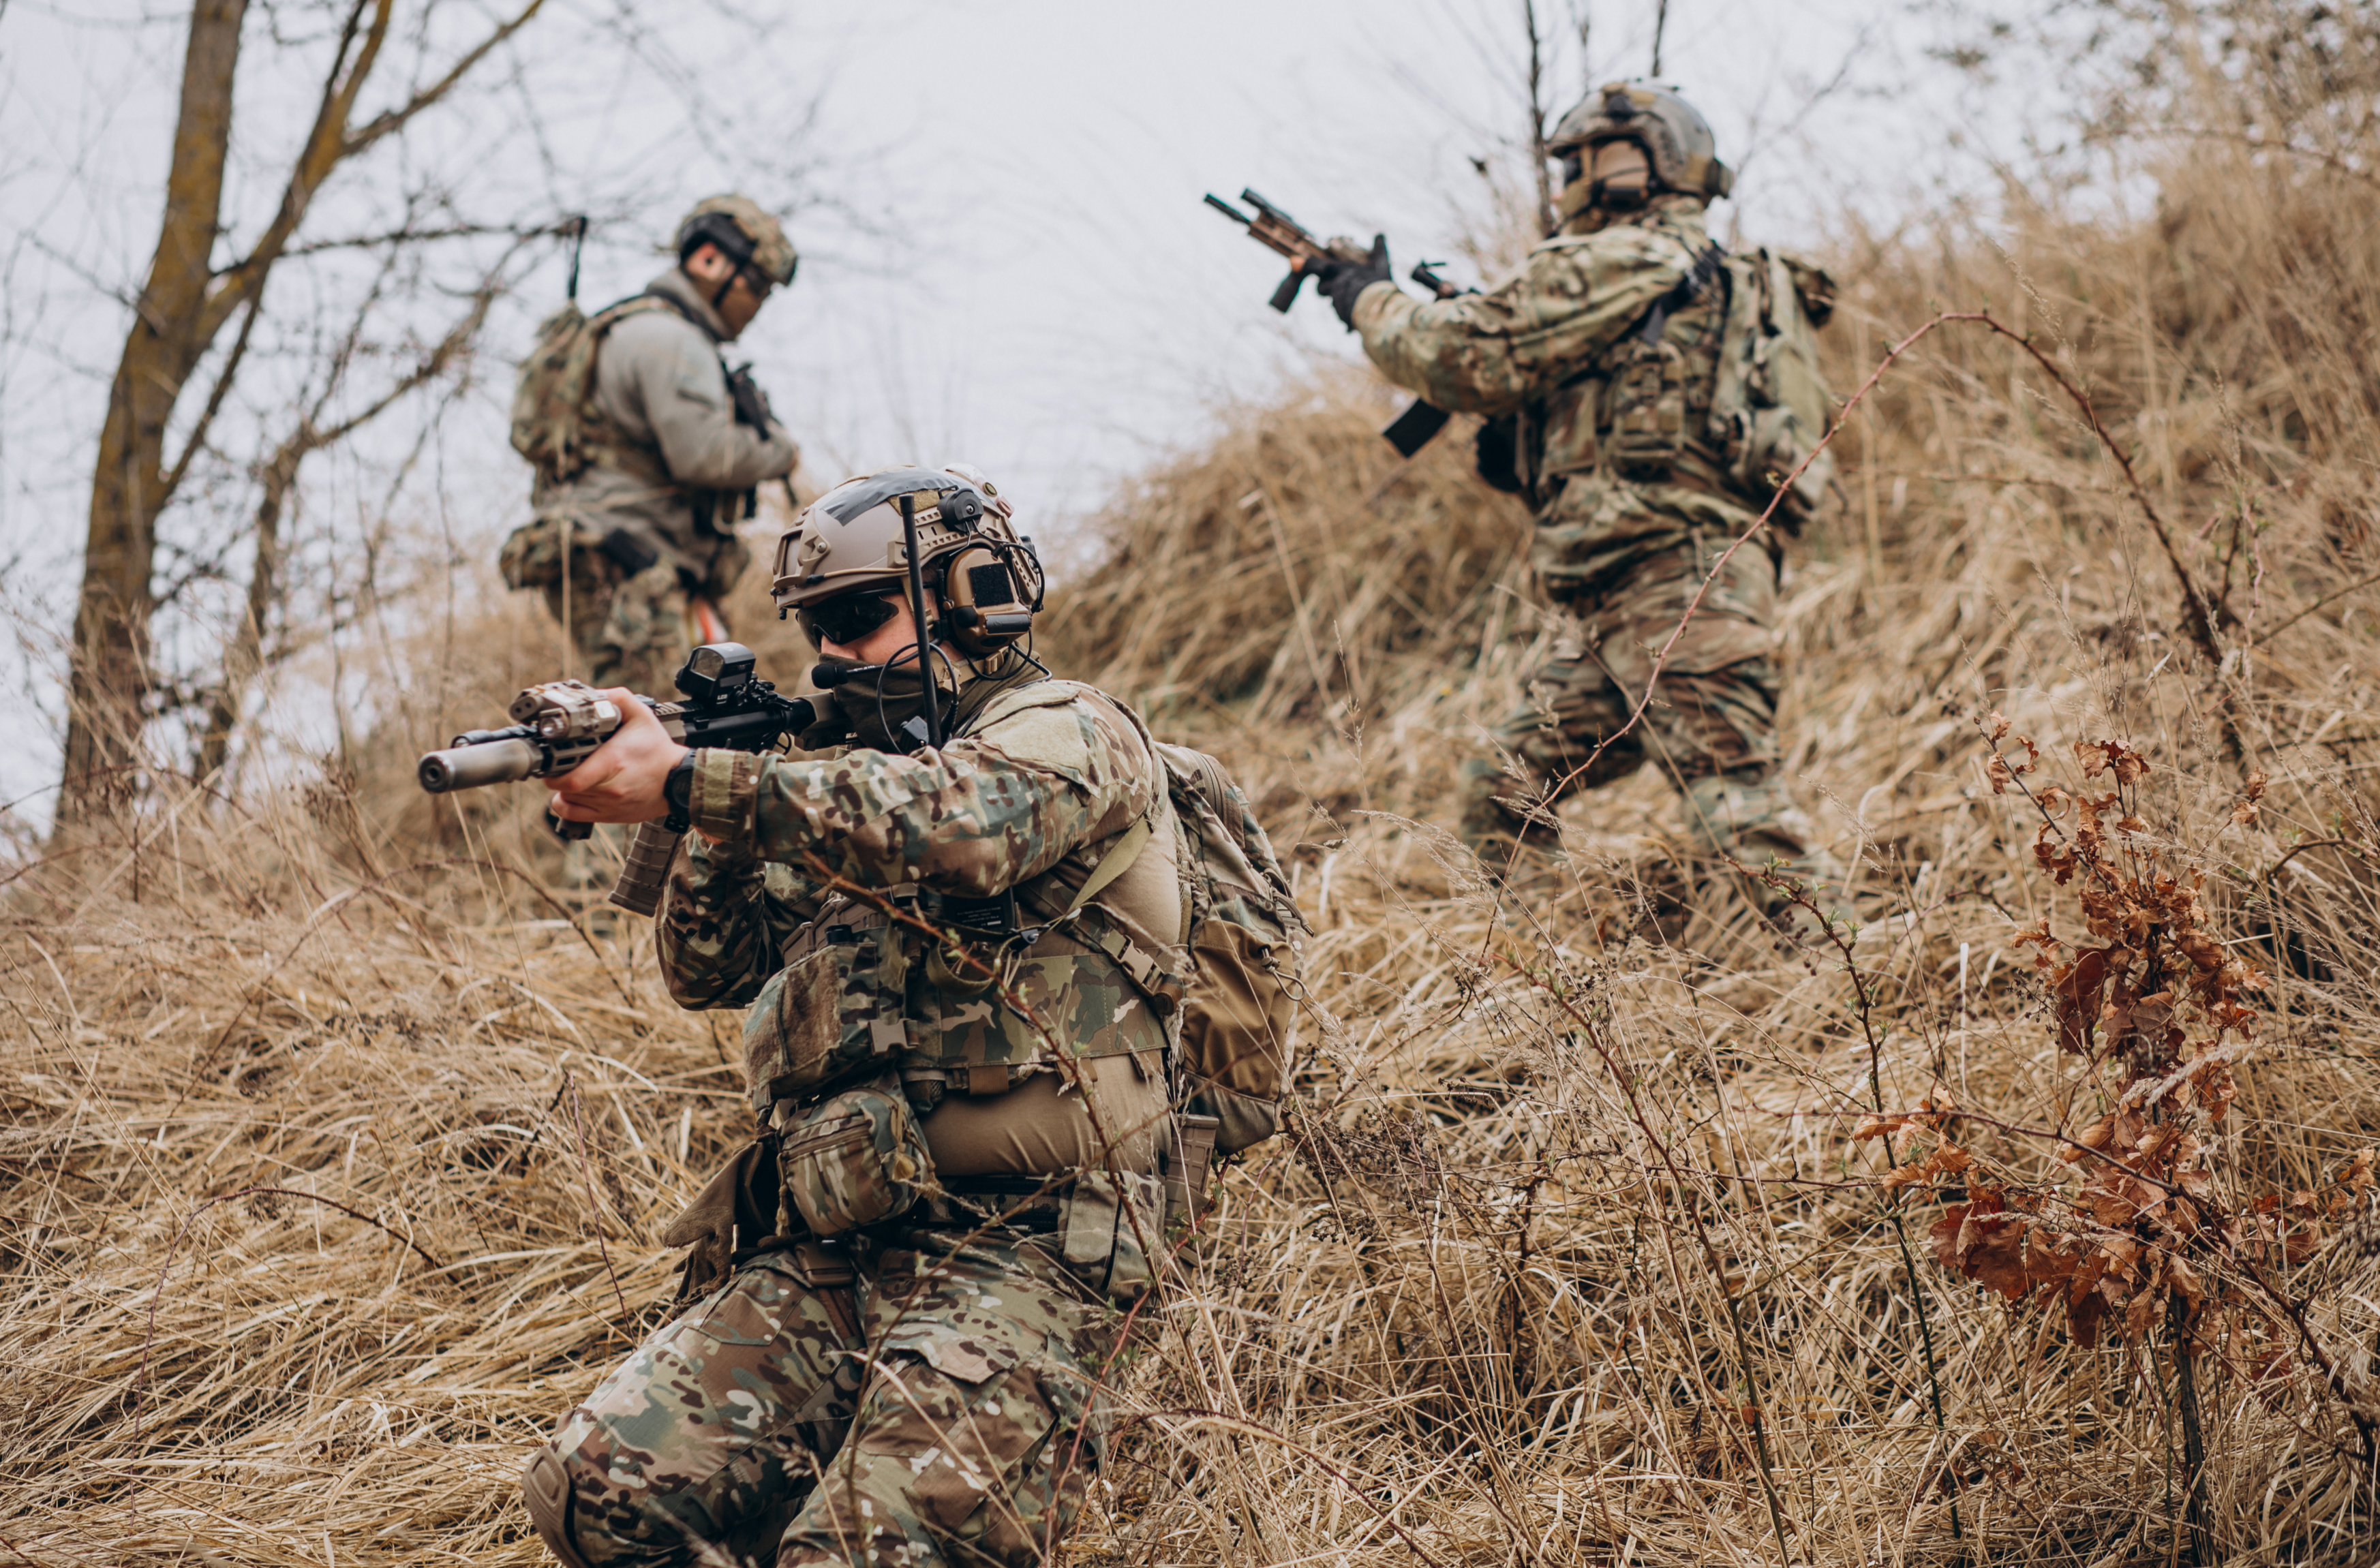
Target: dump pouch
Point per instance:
(855, 1159)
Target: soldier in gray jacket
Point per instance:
(647, 449)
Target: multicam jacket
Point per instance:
(675, 450)
(798, 895)
(1613, 434)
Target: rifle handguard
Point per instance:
(646, 868)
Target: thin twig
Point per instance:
(141, 1373)
(594, 1208)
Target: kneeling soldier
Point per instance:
(963, 968)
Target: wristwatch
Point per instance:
(678, 791)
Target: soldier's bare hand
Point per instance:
(621, 781)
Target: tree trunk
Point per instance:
(184, 307)
(245, 655)
(109, 683)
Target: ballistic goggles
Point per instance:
(846, 618)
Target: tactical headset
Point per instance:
(988, 579)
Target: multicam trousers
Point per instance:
(944, 1413)
(1712, 723)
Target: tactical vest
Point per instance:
(1717, 385)
(864, 990)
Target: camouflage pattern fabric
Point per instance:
(962, 1428)
(1634, 503)
(632, 631)
(854, 1158)
(1032, 799)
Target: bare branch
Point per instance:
(215, 396)
(325, 145)
(394, 119)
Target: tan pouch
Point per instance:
(1187, 1157)
(855, 1159)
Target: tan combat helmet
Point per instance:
(850, 545)
(745, 234)
(1676, 139)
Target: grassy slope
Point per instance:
(1480, 1307)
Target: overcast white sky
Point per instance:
(1005, 256)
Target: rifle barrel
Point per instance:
(469, 766)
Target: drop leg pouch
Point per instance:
(854, 1158)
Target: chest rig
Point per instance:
(1644, 402)
(866, 991)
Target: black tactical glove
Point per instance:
(627, 552)
(1496, 453)
(1342, 280)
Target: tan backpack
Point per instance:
(1771, 406)
(1239, 1018)
(554, 420)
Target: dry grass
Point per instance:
(1565, 1206)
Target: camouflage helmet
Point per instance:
(986, 580)
(1675, 137)
(745, 234)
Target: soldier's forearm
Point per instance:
(1444, 350)
(965, 825)
(712, 936)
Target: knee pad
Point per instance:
(546, 1486)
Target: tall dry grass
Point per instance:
(341, 1131)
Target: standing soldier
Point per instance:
(906, 1283)
(647, 448)
(1647, 392)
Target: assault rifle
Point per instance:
(557, 724)
(1271, 227)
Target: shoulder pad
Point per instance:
(1023, 699)
(1626, 241)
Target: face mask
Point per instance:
(1619, 178)
(871, 706)
(854, 717)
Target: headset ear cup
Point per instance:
(985, 607)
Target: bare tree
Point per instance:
(243, 657)
(185, 306)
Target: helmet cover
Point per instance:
(988, 580)
(1675, 137)
(724, 220)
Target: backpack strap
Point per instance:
(1708, 264)
(1114, 864)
